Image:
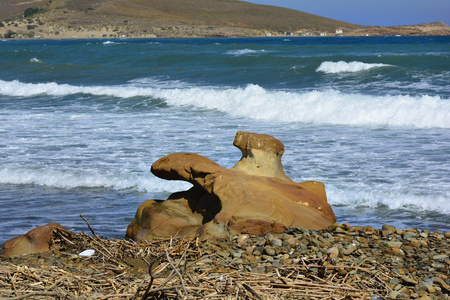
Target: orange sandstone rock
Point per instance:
(255, 196)
(36, 240)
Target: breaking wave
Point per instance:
(73, 178)
(240, 52)
(331, 67)
(254, 102)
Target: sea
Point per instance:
(82, 121)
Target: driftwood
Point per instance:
(174, 269)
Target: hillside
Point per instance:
(164, 17)
(176, 18)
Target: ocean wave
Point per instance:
(240, 52)
(35, 60)
(393, 200)
(73, 178)
(254, 102)
(331, 67)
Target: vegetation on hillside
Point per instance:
(145, 13)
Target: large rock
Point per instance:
(255, 196)
(36, 240)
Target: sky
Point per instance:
(372, 12)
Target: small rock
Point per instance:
(440, 257)
(447, 234)
(339, 229)
(393, 294)
(269, 250)
(258, 251)
(385, 233)
(431, 289)
(242, 239)
(276, 242)
(223, 253)
(369, 230)
(333, 252)
(441, 283)
(393, 244)
(409, 236)
(350, 249)
(409, 281)
(388, 227)
(424, 235)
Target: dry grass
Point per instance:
(232, 13)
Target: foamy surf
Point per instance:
(331, 67)
(392, 199)
(74, 178)
(254, 102)
(240, 52)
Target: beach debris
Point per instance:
(194, 268)
(88, 252)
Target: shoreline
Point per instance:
(195, 37)
(340, 262)
(37, 30)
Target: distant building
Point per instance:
(288, 33)
(322, 34)
(339, 31)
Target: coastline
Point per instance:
(37, 30)
(340, 262)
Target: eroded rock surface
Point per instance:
(36, 240)
(255, 196)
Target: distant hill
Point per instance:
(176, 18)
(145, 13)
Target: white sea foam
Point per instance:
(392, 199)
(240, 52)
(73, 178)
(35, 60)
(255, 102)
(331, 67)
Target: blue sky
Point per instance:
(372, 12)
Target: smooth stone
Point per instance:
(350, 249)
(269, 250)
(409, 236)
(388, 227)
(333, 252)
(242, 239)
(276, 242)
(393, 244)
(409, 281)
(440, 257)
(441, 283)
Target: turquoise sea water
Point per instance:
(81, 122)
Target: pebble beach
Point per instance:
(341, 262)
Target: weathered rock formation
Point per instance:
(255, 196)
(36, 240)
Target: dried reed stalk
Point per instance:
(171, 269)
